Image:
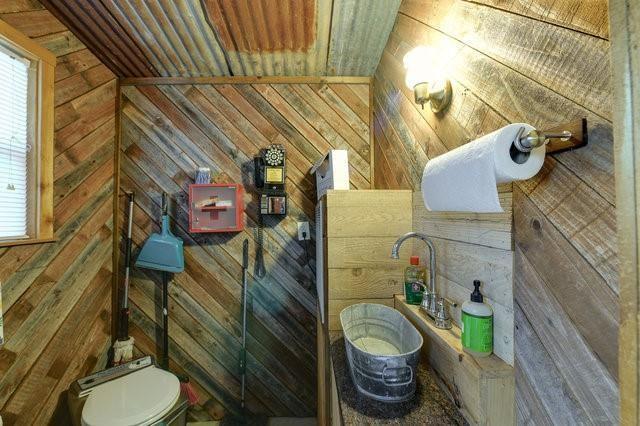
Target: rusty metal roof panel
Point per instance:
(359, 33)
(272, 37)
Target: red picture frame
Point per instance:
(211, 217)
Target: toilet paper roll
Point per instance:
(465, 179)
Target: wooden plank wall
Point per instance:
(544, 63)
(169, 130)
(360, 229)
(469, 247)
(57, 296)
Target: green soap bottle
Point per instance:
(414, 276)
(477, 325)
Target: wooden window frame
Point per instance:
(43, 64)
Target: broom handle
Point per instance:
(245, 265)
(124, 315)
(243, 353)
(165, 301)
(127, 253)
(164, 203)
(165, 321)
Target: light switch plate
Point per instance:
(303, 227)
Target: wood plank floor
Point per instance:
(168, 131)
(57, 296)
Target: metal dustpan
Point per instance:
(163, 251)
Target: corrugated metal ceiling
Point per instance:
(272, 37)
(192, 38)
(359, 33)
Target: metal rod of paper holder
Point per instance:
(562, 138)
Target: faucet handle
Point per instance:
(442, 318)
(429, 303)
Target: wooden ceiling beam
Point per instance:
(149, 81)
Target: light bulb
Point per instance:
(425, 76)
(417, 65)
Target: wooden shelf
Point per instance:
(484, 388)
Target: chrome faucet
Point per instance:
(433, 305)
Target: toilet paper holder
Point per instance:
(561, 138)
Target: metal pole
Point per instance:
(165, 320)
(243, 352)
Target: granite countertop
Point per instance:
(430, 406)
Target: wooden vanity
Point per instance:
(359, 229)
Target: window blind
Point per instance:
(14, 145)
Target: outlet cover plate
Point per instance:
(303, 227)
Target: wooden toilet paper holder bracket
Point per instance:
(566, 137)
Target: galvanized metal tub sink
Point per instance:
(383, 350)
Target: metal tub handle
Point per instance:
(384, 377)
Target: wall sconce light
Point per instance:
(424, 78)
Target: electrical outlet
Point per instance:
(303, 227)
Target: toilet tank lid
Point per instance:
(134, 399)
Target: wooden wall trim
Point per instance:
(625, 38)
(115, 291)
(372, 159)
(25, 43)
(45, 139)
(28, 242)
(150, 81)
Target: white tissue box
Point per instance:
(332, 171)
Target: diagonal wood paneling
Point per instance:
(57, 297)
(190, 38)
(544, 63)
(169, 130)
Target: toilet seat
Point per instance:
(137, 399)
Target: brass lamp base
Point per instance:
(439, 99)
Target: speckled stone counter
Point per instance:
(430, 406)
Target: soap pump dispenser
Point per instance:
(477, 324)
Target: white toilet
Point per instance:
(128, 395)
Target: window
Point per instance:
(15, 146)
(26, 139)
